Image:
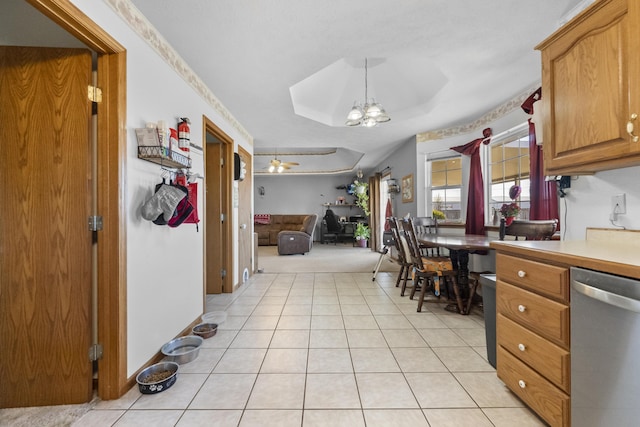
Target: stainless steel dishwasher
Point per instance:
(605, 349)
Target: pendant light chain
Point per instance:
(366, 114)
(366, 82)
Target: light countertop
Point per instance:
(614, 257)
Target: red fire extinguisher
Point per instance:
(184, 134)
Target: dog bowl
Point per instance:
(217, 317)
(182, 350)
(157, 378)
(205, 330)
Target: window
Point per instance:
(509, 165)
(446, 185)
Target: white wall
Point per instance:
(164, 265)
(402, 162)
(588, 201)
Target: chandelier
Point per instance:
(369, 114)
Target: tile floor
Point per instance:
(329, 349)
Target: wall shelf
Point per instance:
(164, 157)
(340, 205)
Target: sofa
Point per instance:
(268, 226)
(291, 242)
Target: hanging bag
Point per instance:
(193, 200)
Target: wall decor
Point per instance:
(407, 188)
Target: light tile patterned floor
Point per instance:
(329, 350)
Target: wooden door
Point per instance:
(45, 244)
(218, 209)
(245, 235)
(214, 249)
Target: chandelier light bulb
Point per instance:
(272, 168)
(280, 168)
(355, 113)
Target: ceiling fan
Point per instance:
(278, 166)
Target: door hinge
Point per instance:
(221, 161)
(223, 273)
(95, 223)
(95, 352)
(94, 93)
(222, 217)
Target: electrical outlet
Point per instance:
(618, 204)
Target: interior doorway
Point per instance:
(111, 258)
(218, 206)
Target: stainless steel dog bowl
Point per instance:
(157, 378)
(205, 330)
(182, 350)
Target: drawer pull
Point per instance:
(521, 308)
(521, 273)
(521, 347)
(522, 384)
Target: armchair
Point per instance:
(298, 241)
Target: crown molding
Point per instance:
(481, 122)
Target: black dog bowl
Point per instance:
(157, 378)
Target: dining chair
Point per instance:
(427, 225)
(430, 270)
(529, 229)
(403, 259)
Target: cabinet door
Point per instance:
(586, 67)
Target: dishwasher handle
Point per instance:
(606, 297)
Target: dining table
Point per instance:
(459, 247)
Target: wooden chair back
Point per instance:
(395, 232)
(426, 225)
(529, 230)
(412, 242)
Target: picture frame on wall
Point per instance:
(407, 188)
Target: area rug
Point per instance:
(50, 416)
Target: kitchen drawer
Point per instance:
(548, 318)
(548, 359)
(545, 279)
(549, 402)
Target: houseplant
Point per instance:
(362, 234)
(509, 212)
(362, 196)
(362, 231)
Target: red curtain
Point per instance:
(544, 199)
(475, 202)
(388, 213)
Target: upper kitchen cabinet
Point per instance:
(591, 90)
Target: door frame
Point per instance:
(112, 303)
(225, 190)
(244, 213)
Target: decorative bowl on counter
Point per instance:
(157, 378)
(183, 349)
(205, 330)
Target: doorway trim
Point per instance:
(112, 303)
(225, 189)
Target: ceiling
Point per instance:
(290, 71)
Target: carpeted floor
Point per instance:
(50, 416)
(339, 258)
